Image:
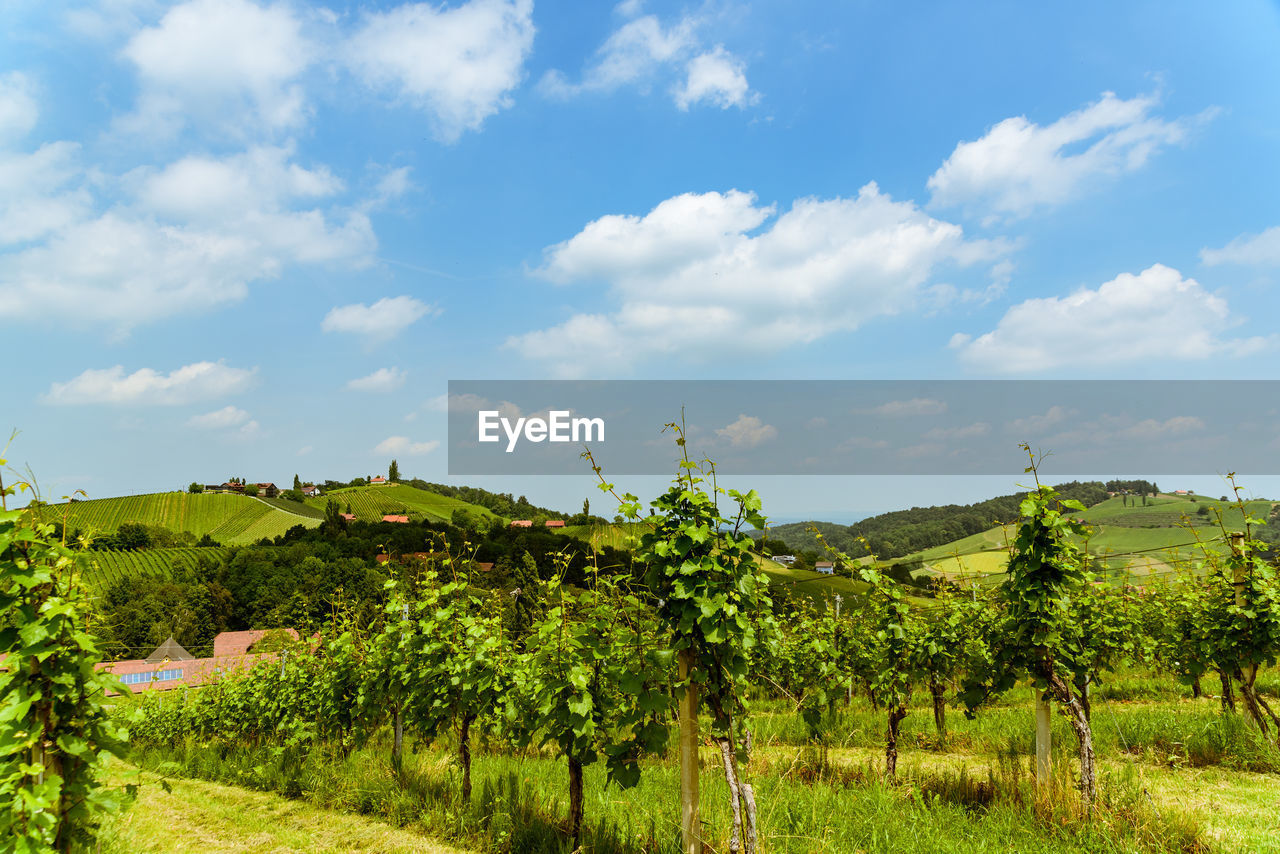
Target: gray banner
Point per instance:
(881, 427)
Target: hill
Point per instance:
(107, 568)
(229, 519)
(371, 503)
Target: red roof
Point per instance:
(554, 523)
(521, 523)
(350, 517)
(392, 517)
(378, 479)
(239, 643)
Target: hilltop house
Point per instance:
(377, 480)
(310, 490)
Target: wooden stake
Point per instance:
(1237, 578)
(1043, 738)
(690, 825)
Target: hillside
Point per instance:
(106, 568)
(229, 519)
(371, 503)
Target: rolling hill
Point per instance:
(229, 519)
(371, 503)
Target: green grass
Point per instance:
(294, 507)
(110, 567)
(229, 519)
(371, 503)
(194, 815)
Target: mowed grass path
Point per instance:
(198, 816)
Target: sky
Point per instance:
(258, 239)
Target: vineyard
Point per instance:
(702, 705)
(229, 519)
(371, 503)
(107, 568)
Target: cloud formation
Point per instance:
(403, 445)
(387, 317)
(148, 387)
(1155, 314)
(381, 380)
(703, 274)
(1254, 250)
(1018, 165)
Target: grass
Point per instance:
(229, 519)
(371, 503)
(200, 816)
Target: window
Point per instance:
(150, 676)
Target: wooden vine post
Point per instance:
(1044, 738)
(690, 824)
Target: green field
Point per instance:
(1141, 542)
(229, 519)
(106, 568)
(371, 503)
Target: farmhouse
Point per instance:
(395, 517)
(378, 480)
(169, 665)
(554, 523)
(350, 517)
(824, 566)
(310, 490)
(521, 523)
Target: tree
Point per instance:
(297, 483)
(393, 472)
(195, 488)
(251, 489)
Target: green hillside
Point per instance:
(229, 519)
(371, 503)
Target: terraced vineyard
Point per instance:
(106, 568)
(371, 503)
(229, 519)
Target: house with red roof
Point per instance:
(521, 523)
(395, 517)
(554, 523)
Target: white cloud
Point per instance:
(716, 77)
(381, 380)
(147, 387)
(228, 64)
(220, 419)
(1020, 165)
(185, 238)
(1258, 250)
(18, 109)
(458, 64)
(747, 432)
(1154, 315)
(1053, 416)
(643, 50)
(403, 445)
(914, 406)
(387, 317)
(696, 276)
(1150, 428)
(969, 431)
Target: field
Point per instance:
(1178, 776)
(229, 519)
(371, 503)
(110, 567)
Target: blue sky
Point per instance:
(257, 238)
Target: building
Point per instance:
(554, 523)
(310, 490)
(395, 517)
(785, 560)
(350, 517)
(170, 666)
(378, 480)
(521, 523)
(826, 567)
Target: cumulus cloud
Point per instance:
(148, 387)
(232, 65)
(1255, 250)
(698, 275)
(18, 109)
(381, 380)
(1018, 165)
(747, 432)
(187, 237)
(1156, 314)
(219, 419)
(643, 50)
(387, 317)
(716, 77)
(458, 64)
(403, 445)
